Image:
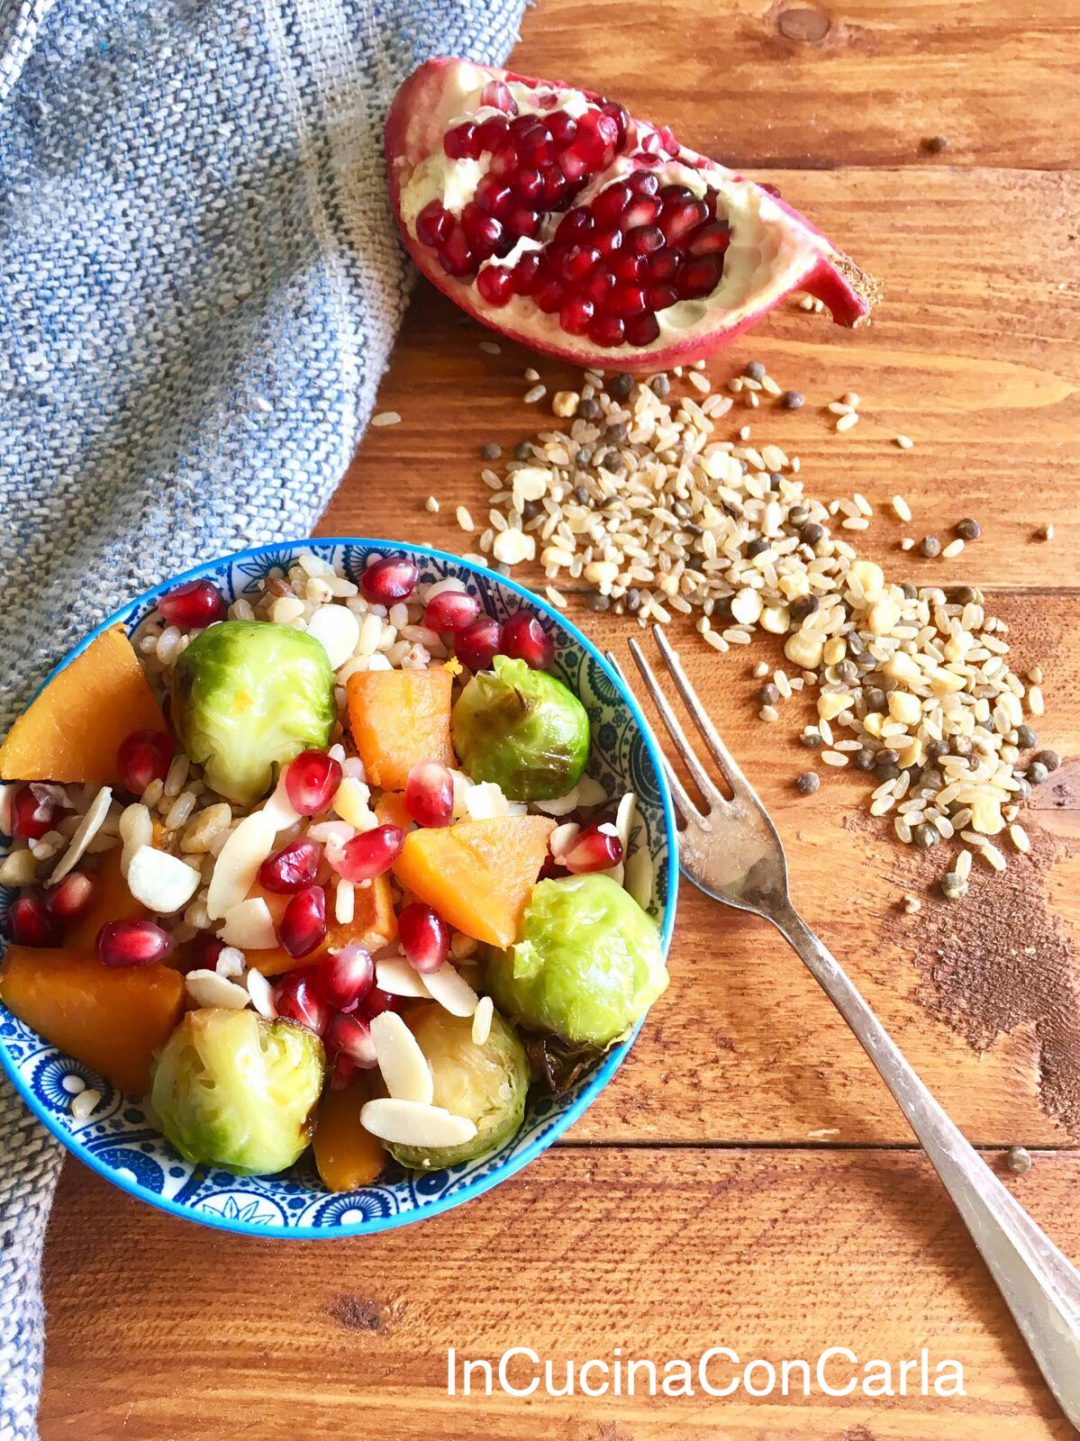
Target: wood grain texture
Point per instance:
(812, 84)
(655, 1228)
(202, 1336)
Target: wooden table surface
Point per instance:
(745, 1180)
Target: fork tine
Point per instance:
(723, 757)
(701, 777)
(683, 804)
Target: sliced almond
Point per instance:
(89, 826)
(207, 988)
(262, 995)
(561, 837)
(398, 978)
(239, 861)
(163, 883)
(249, 925)
(451, 990)
(279, 810)
(19, 868)
(7, 797)
(401, 1061)
(351, 804)
(481, 1021)
(486, 801)
(410, 1123)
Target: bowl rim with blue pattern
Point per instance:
(119, 1143)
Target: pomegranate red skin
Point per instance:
(142, 757)
(414, 130)
(132, 943)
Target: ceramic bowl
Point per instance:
(117, 1140)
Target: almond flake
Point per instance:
(411, 1123)
(401, 1061)
(249, 925)
(89, 826)
(398, 977)
(207, 988)
(239, 861)
(163, 883)
(451, 990)
(481, 1021)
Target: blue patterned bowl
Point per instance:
(118, 1142)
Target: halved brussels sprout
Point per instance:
(487, 1084)
(249, 695)
(588, 966)
(522, 729)
(231, 1089)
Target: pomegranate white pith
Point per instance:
(634, 290)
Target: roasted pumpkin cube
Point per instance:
(346, 1155)
(72, 730)
(112, 1018)
(399, 718)
(477, 874)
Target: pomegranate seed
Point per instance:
(429, 794)
(575, 225)
(311, 781)
(193, 606)
(527, 185)
(388, 580)
(303, 925)
(132, 943)
(292, 868)
(496, 93)
(536, 148)
(495, 285)
(455, 257)
(597, 136)
(370, 854)
(30, 924)
(711, 239)
(350, 1036)
(477, 645)
(424, 937)
(598, 287)
(592, 850)
(562, 127)
(700, 277)
(451, 611)
(495, 198)
(667, 137)
(661, 296)
(627, 300)
(206, 949)
(643, 182)
(296, 999)
(483, 230)
(607, 330)
(461, 143)
(678, 222)
(33, 811)
(548, 296)
(674, 194)
(346, 976)
(645, 239)
(627, 266)
(377, 1001)
(433, 224)
(524, 638)
(72, 897)
(621, 119)
(609, 205)
(575, 315)
(144, 756)
(490, 132)
(642, 330)
(573, 164)
(522, 221)
(555, 187)
(607, 241)
(641, 210)
(526, 273)
(342, 1071)
(577, 261)
(662, 266)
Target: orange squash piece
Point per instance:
(111, 901)
(112, 1018)
(390, 811)
(373, 924)
(398, 718)
(346, 1155)
(73, 729)
(477, 874)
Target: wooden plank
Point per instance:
(975, 356)
(800, 83)
(160, 1329)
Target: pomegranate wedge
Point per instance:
(558, 219)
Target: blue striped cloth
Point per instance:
(199, 286)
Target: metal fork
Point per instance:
(732, 852)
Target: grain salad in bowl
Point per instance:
(337, 855)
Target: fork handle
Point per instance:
(1040, 1287)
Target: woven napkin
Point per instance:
(199, 287)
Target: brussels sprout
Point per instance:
(248, 696)
(485, 1083)
(522, 729)
(231, 1089)
(588, 966)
